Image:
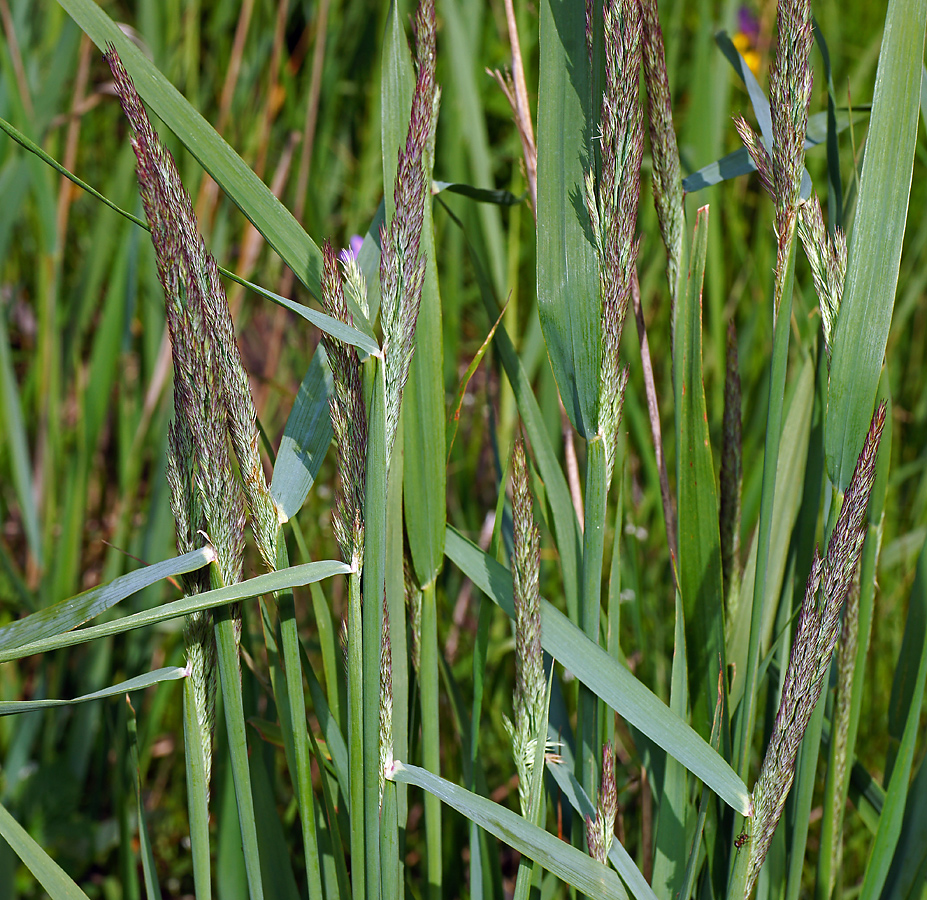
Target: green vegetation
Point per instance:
(563, 537)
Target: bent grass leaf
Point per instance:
(566, 862)
(605, 676)
(617, 855)
(169, 673)
(49, 874)
(295, 576)
(68, 614)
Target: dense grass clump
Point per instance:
(561, 535)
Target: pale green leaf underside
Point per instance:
(170, 673)
(68, 614)
(306, 437)
(295, 576)
(565, 861)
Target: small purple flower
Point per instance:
(354, 247)
(748, 24)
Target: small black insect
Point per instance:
(741, 839)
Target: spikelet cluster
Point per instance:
(402, 265)
(827, 255)
(789, 97)
(349, 419)
(667, 178)
(600, 831)
(214, 413)
(612, 204)
(530, 690)
(813, 646)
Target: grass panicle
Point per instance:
(613, 208)
(759, 155)
(827, 255)
(789, 98)
(813, 646)
(600, 831)
(349, 419)
(530, 684)
(402, 265)
(667, 178)
(205, 495)
(843, 702)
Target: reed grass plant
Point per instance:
(640, 612)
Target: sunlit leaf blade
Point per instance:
(74, 611)
(566, 862)
(296, 576)
(697, 497)
(49, 874)
(170, 673)
(568, 288)
(271, 218)
(306, 437)
(605, 676)
(876, 239)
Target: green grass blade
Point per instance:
(271, 218)
(909, 864)
(296, 576)
(149, 869)
(295, 720)
(699, 569)
(197, 793)
(610, 681)
(567, 273)
(566, 862)
(669, 863)
(374, 585)
(68, 614)
(306, 438)
(782, 313)
(13, 426)
(233, 704)
(169, 673)
(906, 702)
(876, 240)
(49, 874)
